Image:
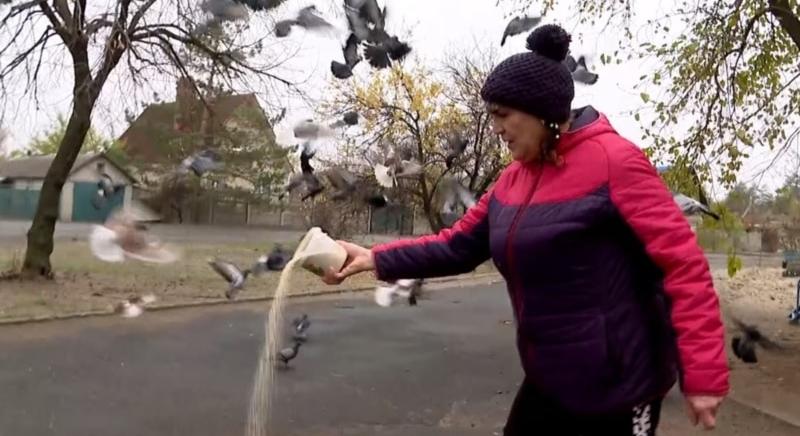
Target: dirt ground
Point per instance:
(761, 297)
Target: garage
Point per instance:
(21, 181)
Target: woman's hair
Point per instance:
(547, 152)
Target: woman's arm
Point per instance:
(456, 250)
(646, 204)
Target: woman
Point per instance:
(612, 296)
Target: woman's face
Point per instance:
(523, 133)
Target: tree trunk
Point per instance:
(40, 235)
(790, 22)
(434, 220)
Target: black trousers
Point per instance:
(536, 414)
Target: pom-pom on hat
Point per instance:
(536, 82)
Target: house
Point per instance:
(21, 180)
(152, 136)
(165, 133)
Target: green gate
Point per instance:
(18, 203)
(83, 208)
(394, 219)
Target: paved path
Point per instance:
(446, 367)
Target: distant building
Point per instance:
(21, 181)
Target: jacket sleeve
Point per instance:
(647, 206)
(456, 250)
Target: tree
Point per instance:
(49, 142)
(144, 36)
(728, 71)
(3, 143)
(409, 110)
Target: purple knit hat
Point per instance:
(536, 82)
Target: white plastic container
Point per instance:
(318, 253)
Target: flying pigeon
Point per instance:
(362, 16)
(201, 163)
(224, 10)
(259, 5)
(519, 24)
(288, 354)
(122, 237)
(105, 190)
(386, 49)
(455, 148)
(351, 59)
(343, 182)
(367, 23)
(306, 176)
(309, 130)
(397, 166)
(308, 18)
(407, 288)
(376, 200)
(690, 206)
(134, 306)
(455, 193)
(348, 119)
(744, 347)
(277, 259)
(580, 73)
(232, 274)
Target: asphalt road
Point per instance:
(445, 367)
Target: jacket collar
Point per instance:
(587, 123)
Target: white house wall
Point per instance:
(65, 206)
(89, 173)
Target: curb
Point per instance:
(318, 293)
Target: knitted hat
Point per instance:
(535, 82)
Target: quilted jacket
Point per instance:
(612, 296)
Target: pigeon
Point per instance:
(384, 176)
(308, 18)
(134, 306)
(455, 148)
(690, 206)
(122, 237)
(367, 23)
(376, 200)
(306, 176)
(387, 49)
(744, 347)
(343, 182)
(455, 193)
(351, 59)
(105, 189)
(396, 167)
(348, 119)
(519, 24)
(407, 288)
(232, 274)
(277, 259)
(580, 73)
(301, 323)
(224, 10)
(201, 163)
(288, 354)
(309, 130)
(259, 5)
(361, 14)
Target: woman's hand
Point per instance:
(703, 409)
(359, 259)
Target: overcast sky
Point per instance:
(435, 28)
